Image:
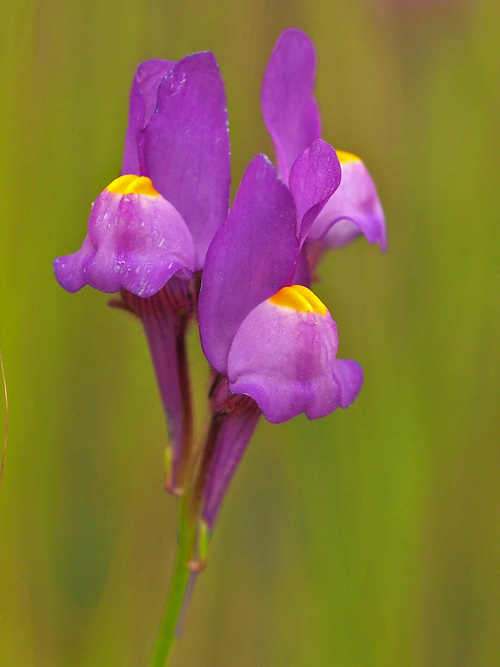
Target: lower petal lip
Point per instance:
(283, 358)
(356, 200)
(136, 241)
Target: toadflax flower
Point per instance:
(292, 118)
(270, 340)
(149, 230)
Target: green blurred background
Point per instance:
(371, 537)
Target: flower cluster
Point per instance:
(163, 236)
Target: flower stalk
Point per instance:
(178, 587)
(192, 546)
(194, 527)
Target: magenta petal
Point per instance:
(314, 177)
(185, 146)
(349, 375)
(252, 256)
(136, 242)
(354, 209)
(142, 105)
(288, 104)
(284, 360)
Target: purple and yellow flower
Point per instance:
(136, 241)
(275, 341)
(292, 118)
(272, 340)
(149, 230)
(266, 334)
(160, 216)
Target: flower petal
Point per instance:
(314, 177)
(134, 241)
(185, 146)
(142, 105)
(354, 209)
(284, 358)
(349, 375)
(251, 257)
(288, 104)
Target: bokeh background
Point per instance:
(369, 538)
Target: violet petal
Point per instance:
(185, 146)
(354, 209)
(284, 358)
(288, 104)
(349, 375)
(251, 257)
(134, 241)
(143, 94)
(314, 177)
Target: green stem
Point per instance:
(178, 586)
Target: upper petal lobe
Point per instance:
(185, 147)
(143, 96)
(314, 177)
(288, 104)
(252, 256)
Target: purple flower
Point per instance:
(136, 241)
(292, 118)
(275, 342)
(149, 230)
(177, 138)
(267, 339)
